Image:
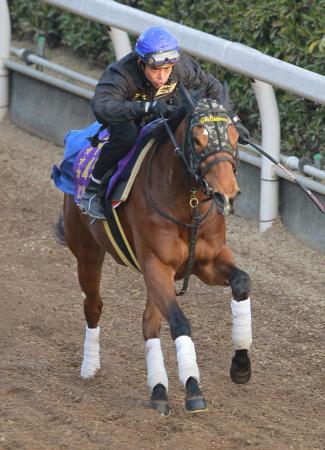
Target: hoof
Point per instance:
(159, 400)
(240, 375)
(161, 406)
(194, 400)
(196, 404)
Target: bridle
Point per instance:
(215, 120)
(211, 115)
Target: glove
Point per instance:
(244, 135)
(157, 107)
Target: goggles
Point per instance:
(163, 58)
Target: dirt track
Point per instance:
(45, 405)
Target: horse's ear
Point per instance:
(224, 97)
(198, 94)
(188, 101)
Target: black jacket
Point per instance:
(122, 89)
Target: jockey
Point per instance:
(136, 89)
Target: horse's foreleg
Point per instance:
(157, 379)
(159, 279)
(240, 370)
(223, 272)
(188, 370)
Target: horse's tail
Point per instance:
(59, 231)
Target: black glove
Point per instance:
(244, 135)
(157, 107)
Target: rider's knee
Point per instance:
(124, 135)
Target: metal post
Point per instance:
(5, 36)
(269, 194)
(121, 42)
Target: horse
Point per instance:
(174, 221)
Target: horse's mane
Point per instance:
(189, 101)
(174, 121)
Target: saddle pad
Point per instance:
(84, 164)
(127, 168)
(73, 174)
(74, 140)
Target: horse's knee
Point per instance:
(151, 323)
(179, 325)
(240, 283)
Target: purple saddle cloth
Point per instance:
(72, 177)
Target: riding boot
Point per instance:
(104, 181)
(91, 202)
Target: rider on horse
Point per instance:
(134, 91)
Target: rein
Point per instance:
(194, 227)
(309, 194)
(194, 204)
(192, 163)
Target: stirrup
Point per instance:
(92, 207)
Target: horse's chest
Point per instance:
(208, 249)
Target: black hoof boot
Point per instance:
(159, 400)
(194, 400)
(240, 369)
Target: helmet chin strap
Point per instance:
(141, 64)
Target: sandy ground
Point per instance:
(45, 405)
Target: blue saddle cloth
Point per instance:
(75, 141)
(79, 158)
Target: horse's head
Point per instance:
(211, 152)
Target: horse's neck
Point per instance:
(171, 184)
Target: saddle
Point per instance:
(81, 144)
(116, 183)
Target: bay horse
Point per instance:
(174, 221)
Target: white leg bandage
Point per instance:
(91, 361)
(186, 358)
(156, 372)
(241, 324)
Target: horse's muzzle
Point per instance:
(223, 204)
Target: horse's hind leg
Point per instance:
(89, 273)
(90, 257)
(157, 379)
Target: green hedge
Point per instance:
(291, 30)
(31, 18)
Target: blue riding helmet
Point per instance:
(157, 47)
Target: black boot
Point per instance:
(91, 202)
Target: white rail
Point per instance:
(5, 37)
